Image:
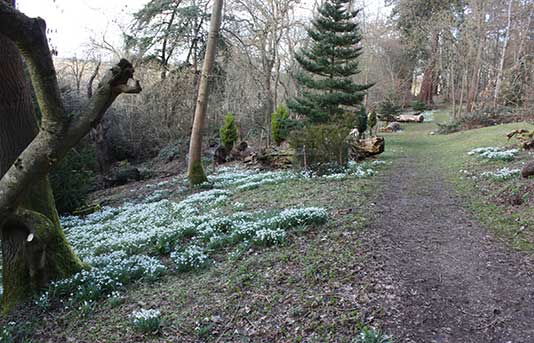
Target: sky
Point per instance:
(72, 23)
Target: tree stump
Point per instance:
(528, 170)
(361, 149)
(277, 158)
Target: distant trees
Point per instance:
(330, 62)
(468, 51)
(162, 29)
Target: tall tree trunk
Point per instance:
(475, 77)
(427, 85)
(498, 82)
(195, 170)
(34, 249)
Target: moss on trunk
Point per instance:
(29, 264)
(197, 175)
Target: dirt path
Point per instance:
(446, 278)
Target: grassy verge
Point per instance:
(503, 205)
(302, 289)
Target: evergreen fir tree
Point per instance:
(330, 63)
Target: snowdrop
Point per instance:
(502, 174)
(191, 258)
(493, 153)
(146, 320)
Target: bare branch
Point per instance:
(59, 132)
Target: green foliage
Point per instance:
(419, 106)
(482, 118)
(228, 131)
(197, 175)
(372, 120)
(73, 178)
(163, 28)
(329, 63)
(321, 148)
(370, 335)
(388, 108)
(171, 151)
(361, 121)
(449, 127)
(280, 124)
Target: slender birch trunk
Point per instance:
(195, 170)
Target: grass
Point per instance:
(300, 290)
(308, 288)
(487, 198)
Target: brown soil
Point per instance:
(443, 277)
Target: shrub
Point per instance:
(484, 117)
(371, 121)
(448, 127)
(72, 179)
(361, 121)
(387, 109)
(419, 106)
(228, 131)
(280, 124)
(146, 320)
(171, 151)
(321, 148)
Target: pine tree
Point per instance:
(330, 63)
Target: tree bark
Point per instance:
(427, 85)
(98, 134)
(195, 170)
(34, 248)
(475, 77)
(27, 265)
(498, 81)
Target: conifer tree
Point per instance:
(329, 63)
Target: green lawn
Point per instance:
(488, 199)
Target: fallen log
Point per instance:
(361, 149)
(410, 118)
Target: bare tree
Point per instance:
(498, 81)
(34, 248)
(195, 170)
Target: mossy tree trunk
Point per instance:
(195, 170)
(27, 265)
(34, 248)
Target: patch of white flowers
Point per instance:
(494, 153)
(247, 179)
(123, 244)
(502, 174)
(146, 320)
(193, 257)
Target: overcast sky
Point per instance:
(74, 22)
